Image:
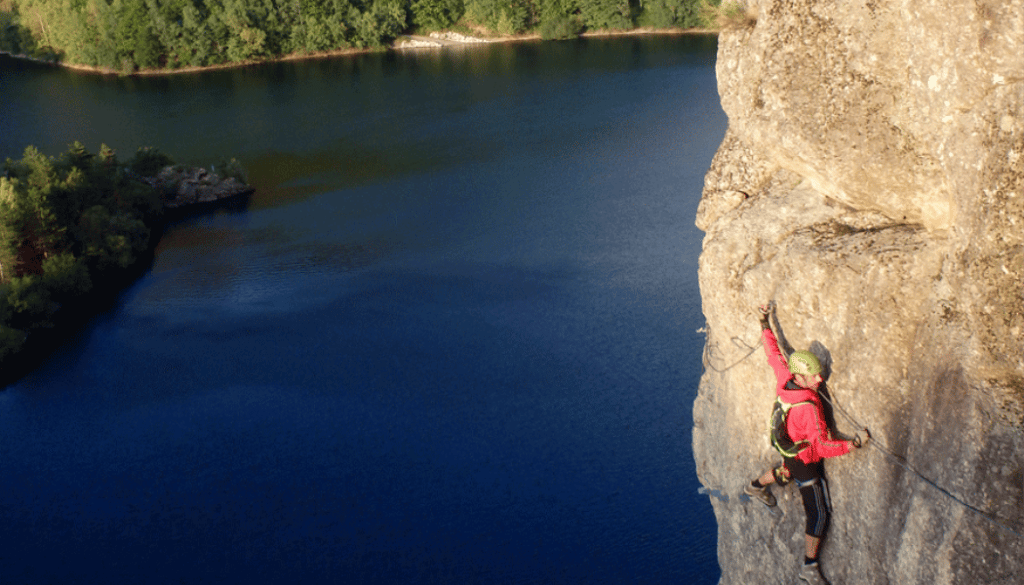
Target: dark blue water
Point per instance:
(451, 340)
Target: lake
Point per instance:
(451, 338)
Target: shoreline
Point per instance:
(353, 51)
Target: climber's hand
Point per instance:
(765, 310)
(861, 439)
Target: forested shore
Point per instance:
(132, 36)
(74, 231)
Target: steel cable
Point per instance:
(711, 348)
(991, 517)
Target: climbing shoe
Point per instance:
(762, 493)
(811, 575)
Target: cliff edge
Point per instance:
(871, 183)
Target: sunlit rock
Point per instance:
(872, 184)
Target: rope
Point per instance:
(991, 517)
(711, 348)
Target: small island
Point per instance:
(76, 229)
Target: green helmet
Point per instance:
(804, 363)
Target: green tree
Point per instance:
(436, 14)
(133, 34)
(9, 231)
(10, 33)
(111, 240)
(198, 37)
(278, 25)
(30, 305)
(501, 16)
(606, 14)
(33, 213)
(559, 19)
(312, 30)
(379, 23)
(104, 17)
(670, 13)
(244, 22)
(147, 162)
(658, 13)
(66, 223)
(35, 31)
(66, 277)
(163, 18)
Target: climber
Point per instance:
(798, 382)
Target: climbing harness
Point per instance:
(993, 518)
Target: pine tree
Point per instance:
(9, 230)
(436, 14)
(606, 14)
(34, 214)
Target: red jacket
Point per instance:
(807, 421)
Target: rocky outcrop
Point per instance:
(437, 40)
(871, 182)
(182, 186)
(456, 37)
(417, 43)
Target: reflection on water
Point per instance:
(450, 339)
(281, 177)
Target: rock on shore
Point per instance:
(437, 40)
(871, 182)
(456, 37)
(181, 186)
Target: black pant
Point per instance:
(813, 490)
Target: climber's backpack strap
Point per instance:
(777, 429)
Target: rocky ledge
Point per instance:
(181, 186)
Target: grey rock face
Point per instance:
(872, 184)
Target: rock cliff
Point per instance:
(871, 182)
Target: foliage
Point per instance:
(10, 36)
(436, 14)
(110, 240)
(149, 161)
(126, 35)
(28, 303)
(504, 17)
(66, 277)
(561, 27)
(607, 14)
(231, 168)
(379, 22)
(728, 14)
(559, 19)
(657, 14)
(67, 224)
